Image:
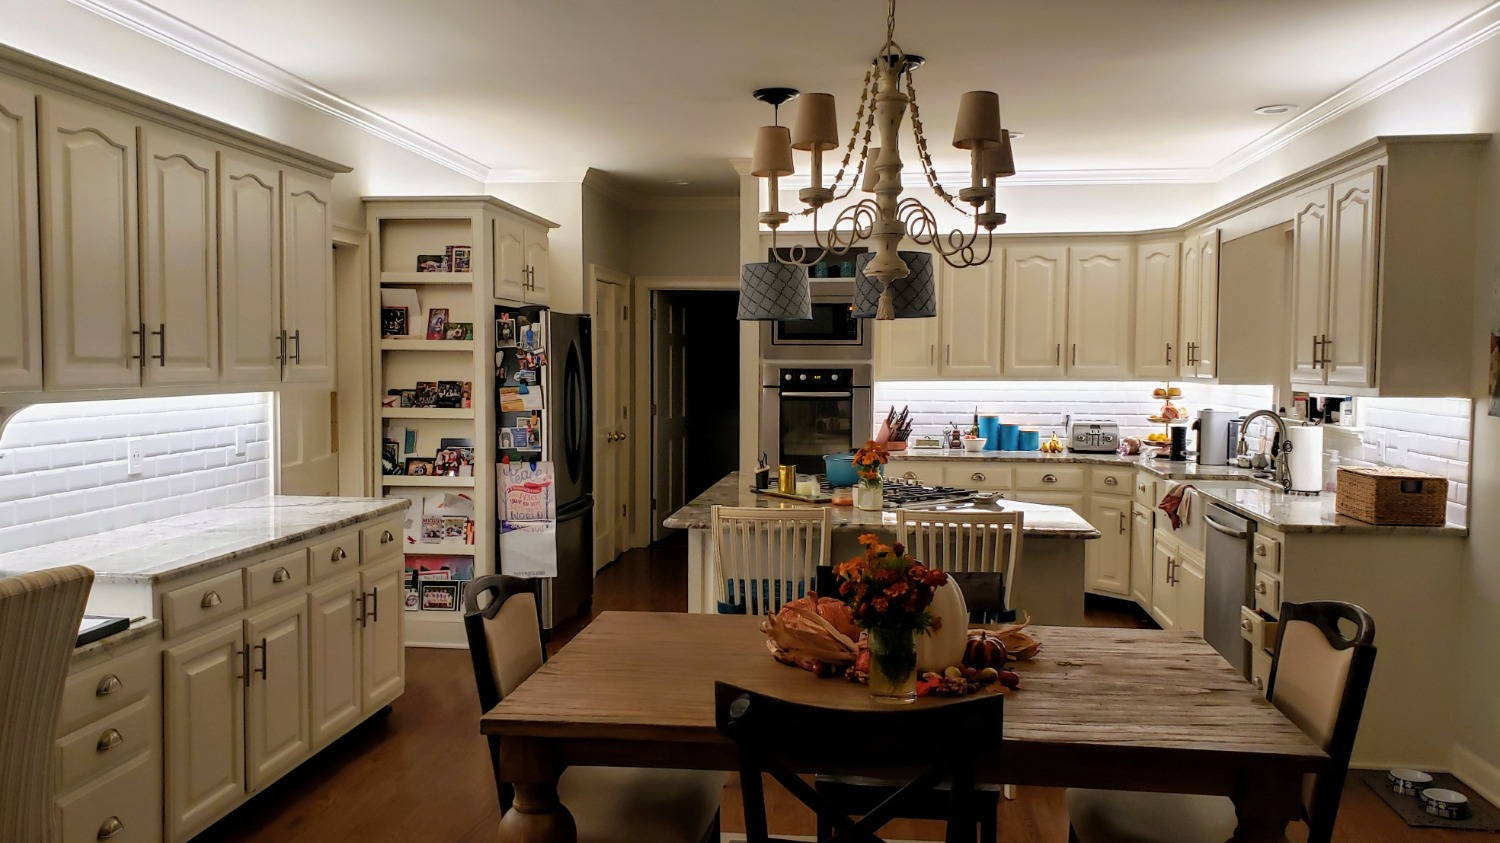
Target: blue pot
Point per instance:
(840, 469)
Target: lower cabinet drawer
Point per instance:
(105, 744)
(281, 576)
(110, 685)
(984, 477)
(920, 471)
(1267, 593)
(1049, 478)
(202, 602)
(1113, 481)
(381, 541)
(1145, 489)
(122, 807)
(1254, 627)
(335, 556)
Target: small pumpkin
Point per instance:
(985, 649)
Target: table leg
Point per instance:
(536, 815)
(1264, 805)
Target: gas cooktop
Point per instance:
(901, 494)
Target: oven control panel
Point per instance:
(815, 380)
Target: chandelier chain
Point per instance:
(923, 156)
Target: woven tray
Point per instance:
(1385, 495)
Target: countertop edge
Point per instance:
(110, 643)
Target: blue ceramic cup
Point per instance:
(989, 431)
(1010, 437)
(1030, 440)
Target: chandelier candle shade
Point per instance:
(885, 218)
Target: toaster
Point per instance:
(1097, 436)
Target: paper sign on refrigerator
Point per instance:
(528, 548)
(528, 493)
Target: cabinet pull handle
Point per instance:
(108, 685)
(281, 575)
(1260, 587)
(1124, 527)
(1260, 550)
(1169, 353)
(338, 555)
(1074, 361)
(1247, 625)
(109, 740)
(1057, 355)
(910, 477)
(1111, 480)
(977, 476)
(1140, 487)
(109, 828)
(375, 604)
(140, 343)
(947, 355)
(1317, 361)
(386, 537)
(244, 659)
(1049, 478)
(281, 348)
(931, 354)
(264, 658)
(210, 600)
(1327, 354)
(297, 346)
(161, 332)
(1171, 572)
(362, 619)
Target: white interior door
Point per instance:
(307, 442)
(669, 409)
(611, 391)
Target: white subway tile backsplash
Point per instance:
(63, 470)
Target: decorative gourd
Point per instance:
(944, 645)
(985, 649)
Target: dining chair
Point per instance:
(1320, 674)
(39, 616)
(503, 625)
(966, 542)
(766, 557)
(941, 743)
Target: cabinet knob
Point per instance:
(1260, 684)
(1049, 478)
(1140, 487)
(109, 740)
(338, 555)
(1111, 481)
(386, 537)
(108, 685)
(1260, 587)
(1260, 550)
(910, 477)
(210, 600)
(977, 476)
(109, 828)
(281, 575)
(1247, 625)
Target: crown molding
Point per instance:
(184, 37)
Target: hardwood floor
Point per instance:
(421, 772)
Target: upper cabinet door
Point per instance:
(1099, 299)
(307, 277)
(1036, 289)
(907, 349)
(91, 296)
(20, 264)
(1156, 345)
(1309, 305)
(250, 266)
(1206, 354)
(508, 261)
(972, 320)
(1353, 274)
(179, 257)
(1189, 301)
(538, 266)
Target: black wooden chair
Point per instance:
(1319, 677)
(503, 625)
(944, 742)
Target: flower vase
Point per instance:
(893, 666)
(868, 495)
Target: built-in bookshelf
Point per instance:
(434, 254)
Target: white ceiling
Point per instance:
(658, 90)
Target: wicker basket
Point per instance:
(1384, 495)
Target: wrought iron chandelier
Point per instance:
(887, 218)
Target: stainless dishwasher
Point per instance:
(1228, 580)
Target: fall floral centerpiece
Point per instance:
(889, 592)
(869, 463)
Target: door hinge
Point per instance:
(625, 313)
(653, 504)
(653, 408)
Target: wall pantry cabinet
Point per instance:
(154, 252)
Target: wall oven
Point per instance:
(809, 412)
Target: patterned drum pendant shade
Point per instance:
(914, 296)
(774, 291)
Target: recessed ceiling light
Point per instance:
(1279, 108)
(1017, 135)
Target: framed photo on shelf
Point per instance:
(437, 321)
(468, 394)
(446, 463)
(419, 467)
(450, 394)
(392, 400)
(425, 395)
(459, 331)
(393, 321)
(432, 529)
(440, 595)
(432, 263)
(390, 458)
(458, 258)
(407, 398)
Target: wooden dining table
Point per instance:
(1121, 709)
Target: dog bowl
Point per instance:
(1445, 803)
(1407, 782)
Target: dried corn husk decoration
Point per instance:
(799, 634)
(1020, 645)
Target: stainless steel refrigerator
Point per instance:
(566, 380)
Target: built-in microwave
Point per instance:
(831, 333)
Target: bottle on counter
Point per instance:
(1331, 471)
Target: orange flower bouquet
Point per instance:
(869, 463)
(889, 594)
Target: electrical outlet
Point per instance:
(241, 439)
(135, 457)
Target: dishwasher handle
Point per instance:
(1228, 531)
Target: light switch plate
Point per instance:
(135, 457)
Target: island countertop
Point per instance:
(199, 541)
(1041, 520)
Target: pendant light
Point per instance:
(913, 296)
(773, 290)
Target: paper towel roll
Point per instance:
(1305, 457)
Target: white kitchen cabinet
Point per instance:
(1156, 280)
(1352, 279)
(20, 244)
(1190, 294)
(91, 308)
(970, 321)
(1071, 500)
(337, 691)
(1187, 582)
(1036, 289)
(508, 262)
(205, 729)
(179, 257)
(929, 472)
(1199, 305)
(1163, 568)
(1107, 559)
(250, 267)
(276, 725)
(1141, 534)
(1309, 292)
(307, 278)
(383, 665)
(1099, 311)
(538, 266)
(906, 349)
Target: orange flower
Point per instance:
(873, 453)
(868, 539)
(880, 604)
(896, 589)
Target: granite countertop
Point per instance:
(1236, 488)
(198, 541)
(1041, 520)
(109, 643)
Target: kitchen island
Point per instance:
(1049, 580)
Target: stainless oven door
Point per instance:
(804, 426)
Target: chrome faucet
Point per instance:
(1280, 474)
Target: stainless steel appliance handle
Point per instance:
(785, 394)
(1238, 534)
